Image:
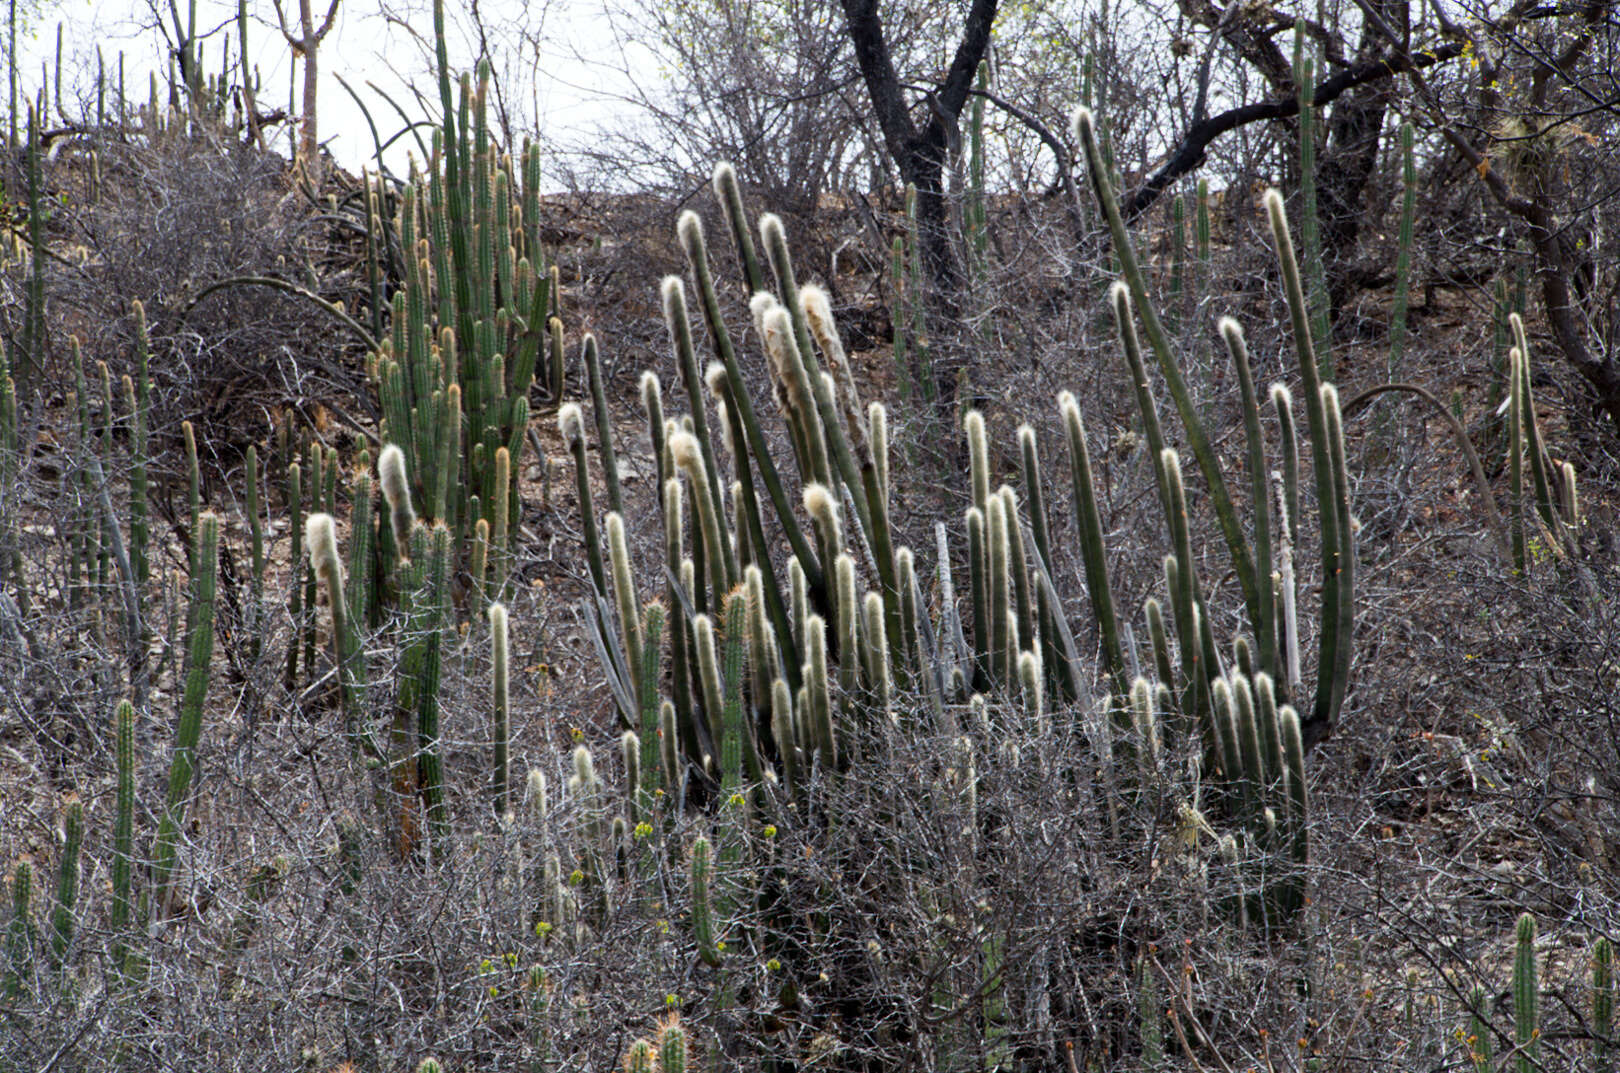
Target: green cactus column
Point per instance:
(1526, 997)
(199, 657)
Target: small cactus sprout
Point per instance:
(672, 1046)
(640, 1058)
(397, 491)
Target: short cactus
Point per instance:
(703, 923)
(1526, 997)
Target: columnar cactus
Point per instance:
(703, 923)
(67, 883)
(501, 707)
(1526, 997)
(20, 932)
(199, 657)
(1603, 1002)
(123, 838)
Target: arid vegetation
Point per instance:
(1027, 607)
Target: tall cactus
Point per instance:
(501, 707)
(199, 657)
(123, 838)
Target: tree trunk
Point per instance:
(921, 154)
(309, 145)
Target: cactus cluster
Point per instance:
(474, 310)
(755, 683)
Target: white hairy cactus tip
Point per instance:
(1281, 396)
(673, 293)
(974, 424)
(703, 630)
(651, 390)
(725, 176)
(391, 472)
(615, 527)
(1230, 329)
(320, 537)
(771, 229)
(689, 229)
(760, 304)
(813, 301)
(715, 377)
(1065, 401)
(584, 766)
(818, 501)
(1119, 294)
(571, 423)
(683, 446)
(1026, 434)
(536, 783)
(1082, 121)
(497, 620)
(1277, 214)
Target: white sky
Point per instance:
(575, 88)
